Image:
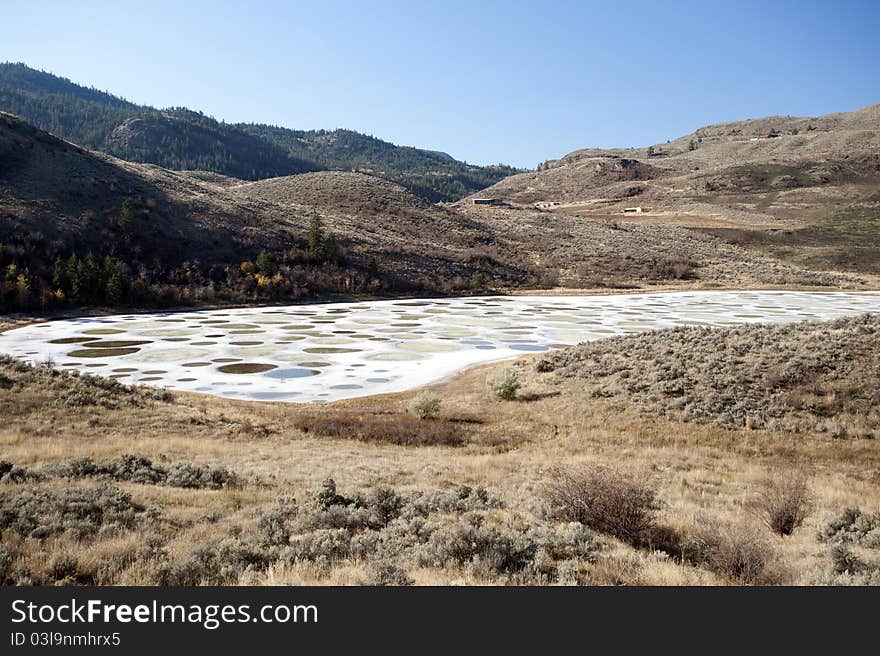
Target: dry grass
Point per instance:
(399, 429)
(796, 377)
(728, 172)
(703, 475)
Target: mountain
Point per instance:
(84, 228)
(429, 174)
(781, 156)
(802, 189)
(172, 237)
(184, 140)
(178, 138)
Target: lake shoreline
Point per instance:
(20, 320)
(324, 352)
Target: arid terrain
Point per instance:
(574, 479)
(742, 455)
(183, 237)
(801, 189)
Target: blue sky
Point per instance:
(486, 81)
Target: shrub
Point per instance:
(138, 469)
(385, 506)
(424, 406)
(463, 499)
(322, 545)
(736, 553)
(845, 561)
(234, 556)
(386, 574)
(79, 468)
(7, 557)
(489, 549)
(569, 541)
(216, 564)
(400, 539)
(855, 527)
(783, 503)
(350, 518)
(63, 568)
(81, 512)
(327, 496)
(663, 269)
(10, 473)
(602, 499)
(506, 385)
(274, 526)
(187, 475)
(199, 568)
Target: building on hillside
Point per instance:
(485, 201)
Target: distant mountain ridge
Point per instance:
(776, 167)
(179, 138)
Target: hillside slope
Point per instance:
(770, 168)
(77, 226)
(58, 197)
(429, 174)
(179, 138)
(198, 233)
(393, 225)
(804, 190)
(803, 377)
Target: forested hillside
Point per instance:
(179, 138)
(432, 175)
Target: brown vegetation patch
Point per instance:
(796, 377)
(390, 428)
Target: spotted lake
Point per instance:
(324, 352)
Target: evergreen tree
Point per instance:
(264, 264)
(59, 275)
(89, 278)
(331, 250)
(316, 237)
(73, 276)
(126, 218)
(373, 269)
(115, 287)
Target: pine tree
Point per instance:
(59, 275)
(316, 237)
(331, 250)
(88, 278)
(373, 269)
(115, 287)
(72, 272)
(264, 264)
(126, 218)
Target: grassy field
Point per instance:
(848, 241)
(104, 484)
